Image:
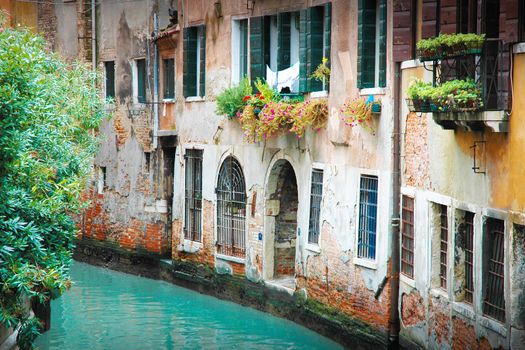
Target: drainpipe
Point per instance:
(93, 35)
(393, 332)
(155, 82)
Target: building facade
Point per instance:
(412, 225)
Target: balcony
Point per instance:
(489, 69)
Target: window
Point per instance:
(231, 209)
(494, 269)
(101, 179)
(316, 195)
(293, 42)
(407, 237)
(139, 81)
(194, 74)
(109, 70)
(193, 195)
(169, 78)
(239, 50)
(366, 236)
(440, 245)
(464, 257)
(371, 55)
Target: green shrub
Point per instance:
(232, 100)
(48, 112)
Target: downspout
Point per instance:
(93, 35)
(393, 332)
(155, 81)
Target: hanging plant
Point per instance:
(358, 111)
(322, 72)
(312, 113)
(274, 117)
(249, 123)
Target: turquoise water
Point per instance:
(112, 310)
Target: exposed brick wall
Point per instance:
(464, 337)
(339, 284)
(412, 309)
(47, 23)
(439, 321)
(417, 159)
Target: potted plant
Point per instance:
(449, 45)
(359, 111)
(419, 96)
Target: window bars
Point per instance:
(407, 237)
(443, 249)
(469, 256)
(193, 195)
(366, 243)
(316, 195)
(494, 303)
(231, 209)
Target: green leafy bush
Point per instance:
(48, 111)
(231, 101)
(449, 45)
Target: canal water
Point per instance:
(111, 310)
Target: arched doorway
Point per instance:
(281, 224)
(231, 209)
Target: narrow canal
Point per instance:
(112, 310)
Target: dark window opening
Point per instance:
(169, 78)
(443, 248)
(316, 195)
(366, 241)
(193, 195)
(109, 69)
(494, 269)
(231, 209)
(469, 257)
(407, 237)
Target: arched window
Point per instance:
(231, 209)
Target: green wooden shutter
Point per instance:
(141, 81)
(202, 61)
(366, 44)
(303, 50)
(169, 78)
(283, 40)
(189, 75)
(382, 42)
(327, 35)
(316, 46)
(110, 79)
(257, 65)
(243, 49)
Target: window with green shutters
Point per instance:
(194, 68)
(314, 44)
(109, 75)
(169, 78)
(139, 93)
(371, 47)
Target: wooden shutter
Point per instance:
(382, 42)
(169, 78)
(403, 30)
(257, 61)
(189, 75)
(141, 81)
(303, 49)
(283, 40)
(366, 44)
(448, 16)
(310, 47)
(110, 79)
(511, 9)
(202, 61)
(327, 34)
(430, 19)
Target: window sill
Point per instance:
(168, 100)
(191, 247)
(372, 91)
(493, 325)
(519, 48)
(439, 293)
(369, 264)
(313, 248)
(464, 310)
(231, 258)
(318, 94)
(407, 280)
(195, 99)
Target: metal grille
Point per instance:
(366, 241)
(193, 195)
(407, 234)
(231, 209)
(494, 304)
(469, 257)
(316, 195)
(443, 246)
